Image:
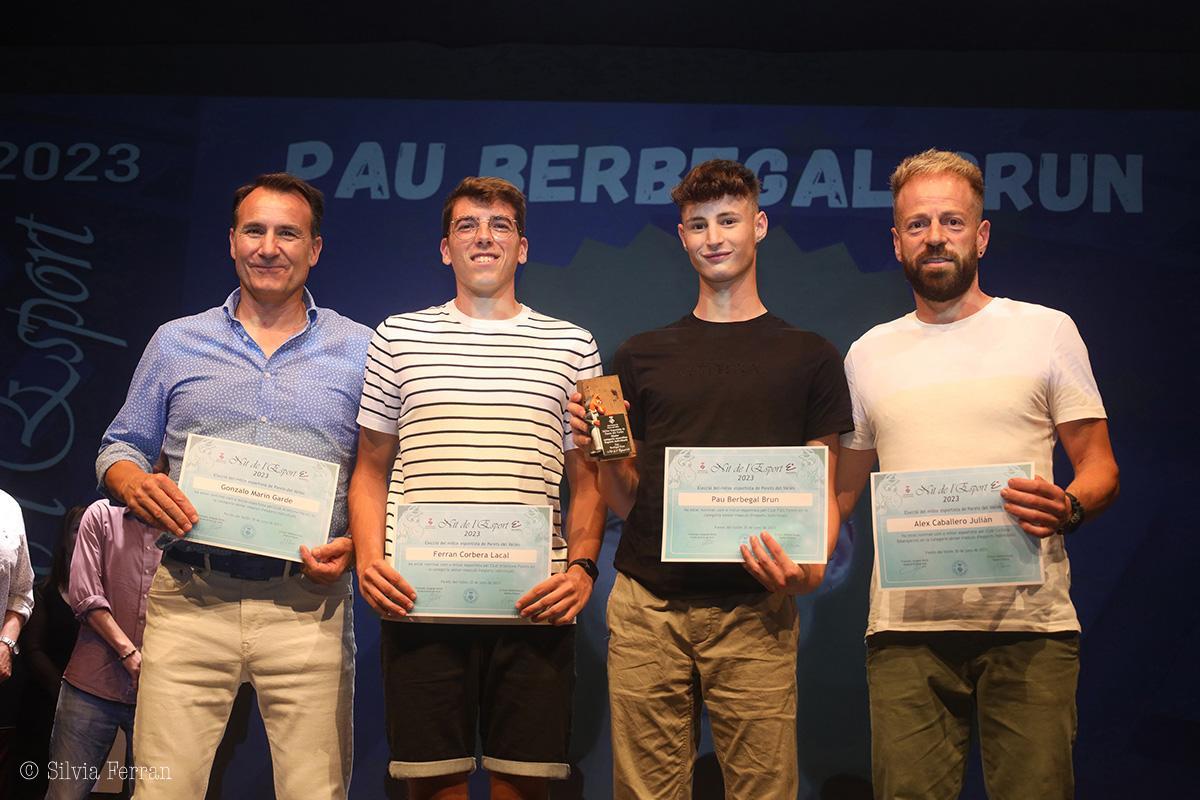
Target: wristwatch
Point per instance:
(12, 645)
(589, 567)
(1076, 519)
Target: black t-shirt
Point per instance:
(758, 383)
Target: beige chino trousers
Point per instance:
(206, 634)
(742, 649)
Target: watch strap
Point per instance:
(588, 566)
(1076, 518)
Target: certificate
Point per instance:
(255, 499)
(472, 562)
(716, 498)
(947, 528)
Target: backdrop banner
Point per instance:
(114, 218)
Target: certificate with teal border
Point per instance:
(256, 499)
(472, 562)
(716, 498)
(947, 528)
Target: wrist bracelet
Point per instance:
(127, 655)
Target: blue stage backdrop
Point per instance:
(114, 214)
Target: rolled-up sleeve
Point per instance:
(86, 592)
(20, 587)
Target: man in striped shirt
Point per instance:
(466, 403)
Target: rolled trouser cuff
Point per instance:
(402, 770)
(527, 769)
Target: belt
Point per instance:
(241, 566)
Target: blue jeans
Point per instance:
(84, 728)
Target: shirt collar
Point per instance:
(231, 304)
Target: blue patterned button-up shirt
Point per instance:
(204, 374)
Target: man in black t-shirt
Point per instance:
(729, 374)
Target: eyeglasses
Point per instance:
(466, 228)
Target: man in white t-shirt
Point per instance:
(968, 379)
(466, 402)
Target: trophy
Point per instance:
(608, 422)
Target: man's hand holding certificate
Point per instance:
(940, 529)
(255, 499)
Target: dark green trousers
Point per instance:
(927, 689)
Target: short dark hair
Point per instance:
(486, 191)
(713, 180)
(285, 183)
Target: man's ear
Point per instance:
(982, 236)
(317, 244)
(760, 225)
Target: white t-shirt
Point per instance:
(479, 407)
(987, 389)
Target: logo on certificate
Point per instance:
(960, 568)
(470, 595)
(247, 531)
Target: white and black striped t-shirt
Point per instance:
(479, 406)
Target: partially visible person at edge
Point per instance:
(114, 562)
(16, 588)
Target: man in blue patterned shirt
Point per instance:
(267, 368)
